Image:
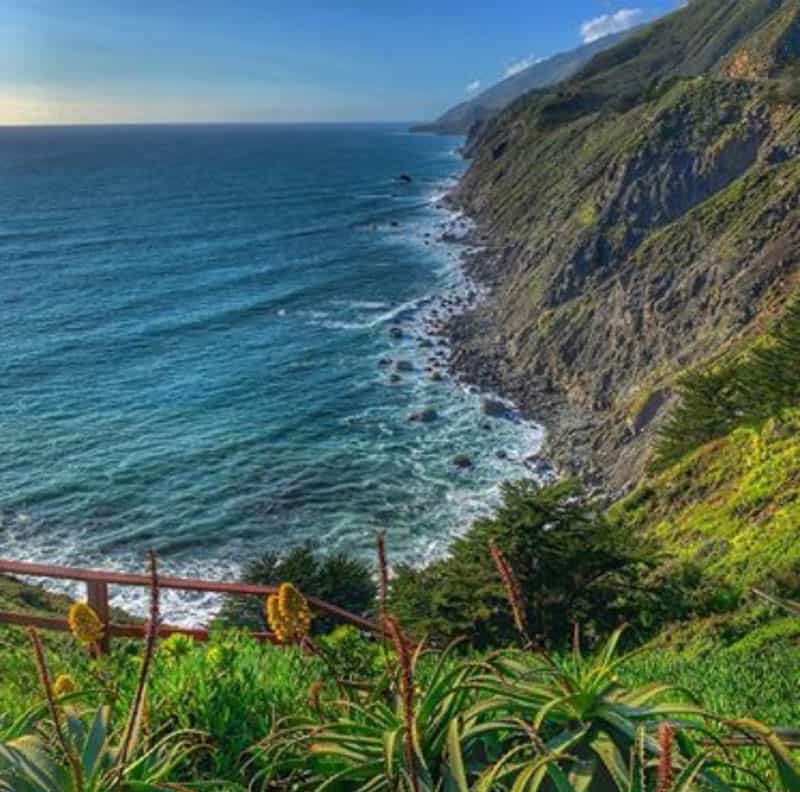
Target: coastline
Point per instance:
(478, 360)
(412, 226)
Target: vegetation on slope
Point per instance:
(646, 217)
(235, 713)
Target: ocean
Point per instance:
(197, 324)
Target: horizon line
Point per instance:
(78, 124)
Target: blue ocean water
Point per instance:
(193, 320)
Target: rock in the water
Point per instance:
(384, 362)
(538, 465)
(493, 408)
(436, 377)
(502, 454)
(403, 365)
(396, 332)
(428, 415)
(395, 378)
(462, 461)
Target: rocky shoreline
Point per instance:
(478, 359)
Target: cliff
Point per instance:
(642, 218)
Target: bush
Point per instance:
(573, 563)
(717, 399)
(338, 579)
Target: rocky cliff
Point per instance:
(641, 218)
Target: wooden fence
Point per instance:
(98, 582)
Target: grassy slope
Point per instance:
(24, 598)
(733, 506)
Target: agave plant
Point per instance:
(398, 738)
(572, 724)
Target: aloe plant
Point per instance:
(31, 763)
(360, 743)
(571, 724)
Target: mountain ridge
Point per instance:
(471, 113)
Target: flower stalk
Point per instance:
(513, 593)
(403, 651)
(666, 742)
(55, 712)
(151, 638)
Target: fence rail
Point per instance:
(97, 586)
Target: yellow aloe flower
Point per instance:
(64, 685)
(288, 614)
(85, 624)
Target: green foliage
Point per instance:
(573, 564)
(342, 725)
(708, 409)
(733, 681)
(35, 763)
(511, 722)
(362, 742)
(717, 399)
(730, 509)
(232, 690)
(350, 655)
(338, 579)
(572, 719)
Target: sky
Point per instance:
(130, 61)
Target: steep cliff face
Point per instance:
(645, 216)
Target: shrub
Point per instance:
(233, 690)
(573, 564)
(716, 399)
(338, 579)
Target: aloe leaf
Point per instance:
(456, 757)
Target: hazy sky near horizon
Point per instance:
(118, 61)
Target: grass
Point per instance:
(732, 506)
(232, 689)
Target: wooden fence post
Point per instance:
(97, 596)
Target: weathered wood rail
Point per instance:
(97, 586)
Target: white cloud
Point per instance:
(521, 65)
(473, 86)
(596, 28)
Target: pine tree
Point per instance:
(716, 399)
(770, 381)
(709, 408)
